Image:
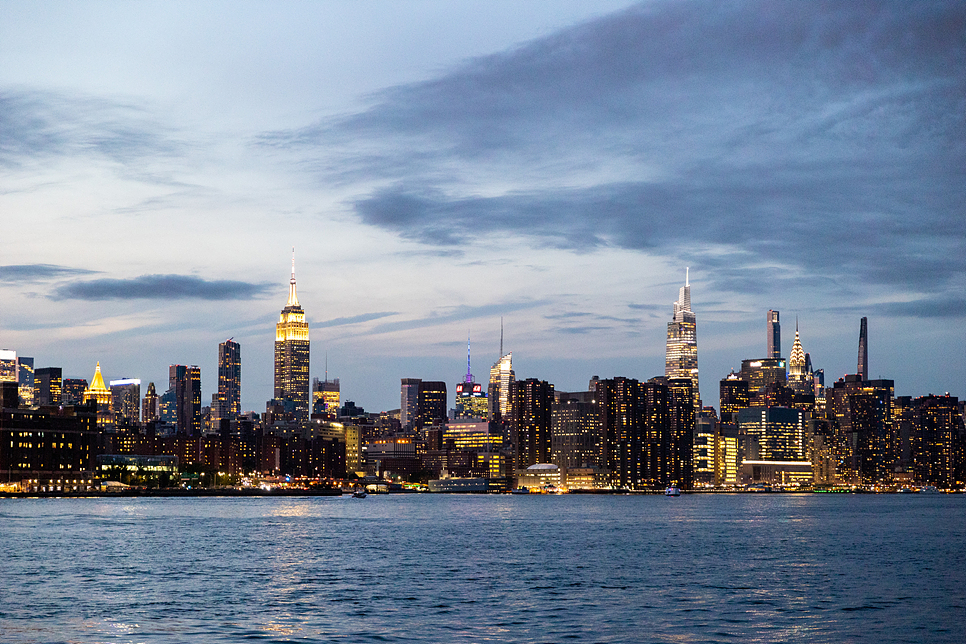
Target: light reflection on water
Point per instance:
(419, 568)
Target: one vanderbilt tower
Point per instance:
(292, 353)
(681, 359)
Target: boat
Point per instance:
(359, 494)
(520, 490)
(672, 491)
(929, 489)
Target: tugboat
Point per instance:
(672, 491)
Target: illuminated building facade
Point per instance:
(292, 353)
(471, 436)
(25, 380)
(100, 394)
(682, 418)
(49, 385)
(8, 365)
(150, 406)
(500, 387)
(326, 396)
(799, 378)
(74, 388)
(936, 437)
(471, 401)
(126, 402)
(860, 412)
(774, 433)
(705, 448)
(430, 404)
(681, 356)
(226, 402)
(181, 404)
(733, 397)
(575, 431)
(761, 375)
(621, 403)
(774, 335)
(531, 420)
(408, 401)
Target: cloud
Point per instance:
(37, 126)
(950, 306)
(20, 273)
(821, 140)
(355, 319)
(457, 314)
(160, 287)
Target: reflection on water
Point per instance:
(419, 568)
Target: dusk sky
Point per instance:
(438, 165)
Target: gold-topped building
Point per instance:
(798, 379)
(292, 353)
(98, 392)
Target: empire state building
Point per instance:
(681, 358)
(292, 353)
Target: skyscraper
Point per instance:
(501, 383)
(532, 407)
(799, 377)
(292, 353)
(408, 401)
(774, 335)
(101, 395)
(25, 379)
(430, 404)
(681, 358)
(470, 398)
(8, 365)
(49, 383)
(126, 402)
(862, 370)
(150, 406)
(226, 402)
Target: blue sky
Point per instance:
(438, 166)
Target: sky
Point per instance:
(439, 167)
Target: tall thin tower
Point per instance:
(292, 353)
(774, 335)
(681, 357)
(863, 367)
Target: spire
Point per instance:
(293, 299)
(687, 276)
(501, 336)
(469, 375)
(97, 382)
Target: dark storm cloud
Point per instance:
(355, 319)
(38, 125)
(160, 287)
(819, 138)
(23, 273)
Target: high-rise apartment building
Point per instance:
(181, 404)
(774, 335)
(860, 414)
(621, 403)
(49, 385)
(531, 417)
(936, 436)
(681, 357)
(226, 402)
(126, 402)
(862, 369)
(575, 431)
(292, 353)
(761, 375)
(774, 433)
(682, 419)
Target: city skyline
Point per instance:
(439, 167)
